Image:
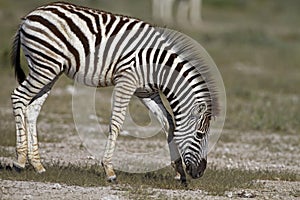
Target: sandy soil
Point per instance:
(38, 190)
(248, 153)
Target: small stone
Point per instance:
(56, 186)
(246, 194)
(229, 194)
(27, 196)
(91, 157)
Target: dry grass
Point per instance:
(215, 181)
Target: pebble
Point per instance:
(56, 186)
(91, 157)
(27, 196)
(246, 194)
(229, 194)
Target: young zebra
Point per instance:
(100, 49)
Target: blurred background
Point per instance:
(255, 44)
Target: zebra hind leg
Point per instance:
(21, 136)
(154, 103)
(29, 95)
(32, 113)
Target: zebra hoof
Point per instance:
(110, 173)
(38, 168)
(18, 167)
(177, 177)
(41, 170)
(183, 182)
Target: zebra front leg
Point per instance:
(122, 94)
(174, 152)
(154, 103)
(180, 173)
(32, 113)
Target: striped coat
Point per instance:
(99, 49)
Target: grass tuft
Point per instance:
(214, 182)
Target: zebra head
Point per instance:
(195, 151)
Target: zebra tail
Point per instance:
(15, 58)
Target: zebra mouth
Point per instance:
(196, 171)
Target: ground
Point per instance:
(225, 155)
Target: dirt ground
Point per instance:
(246, 152)
(36, 190)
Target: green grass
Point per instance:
(215, 181)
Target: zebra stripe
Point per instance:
(101, 49)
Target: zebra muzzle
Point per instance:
(196, 171)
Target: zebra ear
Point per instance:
(199, 109)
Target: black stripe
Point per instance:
(185, 74)
(202, 90)
(17, 97)
(109, 25)
(129, 27)
(122, 39)
(45, 43)
(108, 47)
(36, 79)
(171, 59)
(193, 77)
(157, 51)
(22, 92)
(143, 63)
(148, 54)
(120, 24)
(104, 18)
(26, 88)
(97, 45)
(49, 68)
(180, 65)
(87, 20)
(31, 85)
(37, 72)
(44, 56)
(198, 84)
(74, 28)
(57, 32)
(162, 56)
(18, 107)
(98, 34)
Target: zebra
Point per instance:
(100, 49)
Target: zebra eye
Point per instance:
(199, 135)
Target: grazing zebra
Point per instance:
(99, 49)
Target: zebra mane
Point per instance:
(191, 51)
